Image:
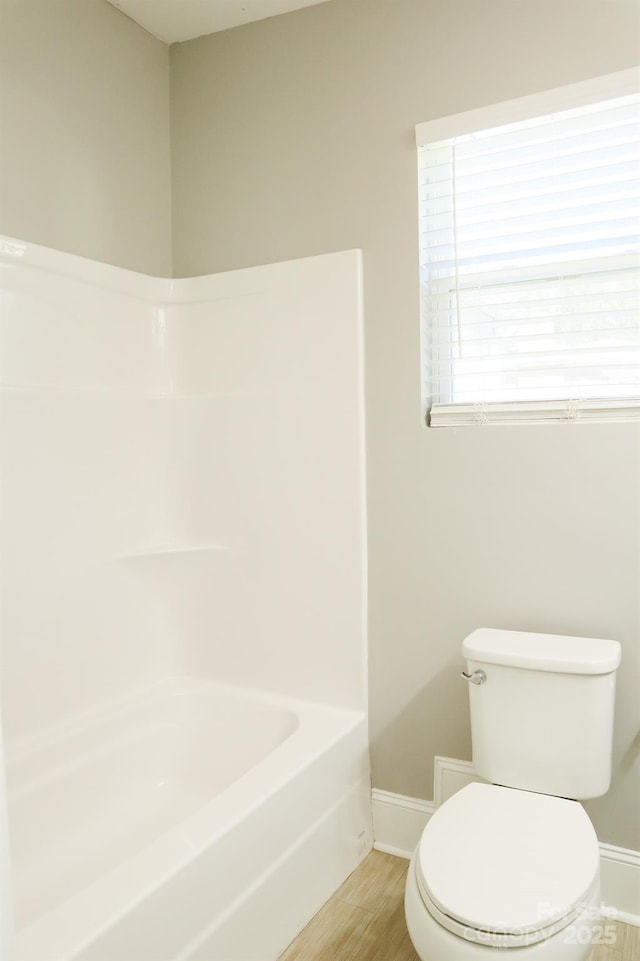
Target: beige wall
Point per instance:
(84, 132)
(293, 136)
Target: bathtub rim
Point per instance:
(22, 751)
(320, 728)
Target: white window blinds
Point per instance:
(530, 266)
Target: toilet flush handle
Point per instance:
(478, 677)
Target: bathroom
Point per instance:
(292, 137)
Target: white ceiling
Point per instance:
(176, 20)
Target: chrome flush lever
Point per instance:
(478, 677)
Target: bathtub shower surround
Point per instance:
(183, 674)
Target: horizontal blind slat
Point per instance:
(605, 213)
(492, 275)
(585, 338)
(614, 115)
(440, 213)
(501, 256)
(545, 180)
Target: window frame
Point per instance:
(525, 108)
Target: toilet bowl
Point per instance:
(502, 868)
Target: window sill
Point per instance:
(534, 412)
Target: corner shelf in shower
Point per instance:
(170, 550)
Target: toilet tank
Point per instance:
(543, 718)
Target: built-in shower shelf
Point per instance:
(170, 550)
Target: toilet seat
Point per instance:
(505, 867)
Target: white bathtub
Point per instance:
(188, 822)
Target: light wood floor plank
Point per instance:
(379, 879)
(625, 944)
(628, 941)
(335, 932)
(387, 935)
(605, 952)
(364, 921)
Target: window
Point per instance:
(530, 257)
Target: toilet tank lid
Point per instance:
(542, 652)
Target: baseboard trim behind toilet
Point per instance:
(398, 822)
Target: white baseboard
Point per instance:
(399, 821)
(620, 880)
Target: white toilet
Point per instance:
(513, 864)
